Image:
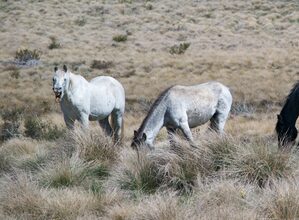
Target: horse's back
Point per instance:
(110, 86)
(199, 102)
(209, 92)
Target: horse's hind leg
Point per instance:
(104, 123)
(117, 123)
(218, 121)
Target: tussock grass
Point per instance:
(260, 161)
(176, 167)
(22, 198)
(94, 145)
(281, 200)
(20, 153)
(69, 172)
(160, 206)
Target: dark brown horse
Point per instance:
(286, 120)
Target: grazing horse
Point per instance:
(185, 107)
(95, 100)
(286, 120)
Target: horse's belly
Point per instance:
(99, 114)
(198, 118)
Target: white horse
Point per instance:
(185, 107)
(95, 100)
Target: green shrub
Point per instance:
(120, 38)
(179, 49)
(54, 43)
(37, 129)
(101, 64)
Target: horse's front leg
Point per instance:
(171, 133)
(184, 126)
(69, 122)
(84, 120)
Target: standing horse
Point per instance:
(185, 107)
(95, 100)
(286, 120)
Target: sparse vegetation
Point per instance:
(12, 122)
(80, 21)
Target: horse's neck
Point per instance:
(74, 84)
(153, 123)
(290, 112)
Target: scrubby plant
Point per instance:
(101, 64)
(80, 21)
(179, 49)
(27, 57)
(38, 129)
(54, 43)
(120, 38)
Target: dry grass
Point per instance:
(251, 46)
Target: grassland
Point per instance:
(47, 172)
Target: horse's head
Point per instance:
(286, 133)
(139, 139)
(60, 82)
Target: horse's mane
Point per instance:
(161, 96)
(292, 92)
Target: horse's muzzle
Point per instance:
(57, 95)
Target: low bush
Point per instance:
(179, 49)
(38, 129)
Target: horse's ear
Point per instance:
(55, 68)
(143, 137)
(64, 68)
(135, 133)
